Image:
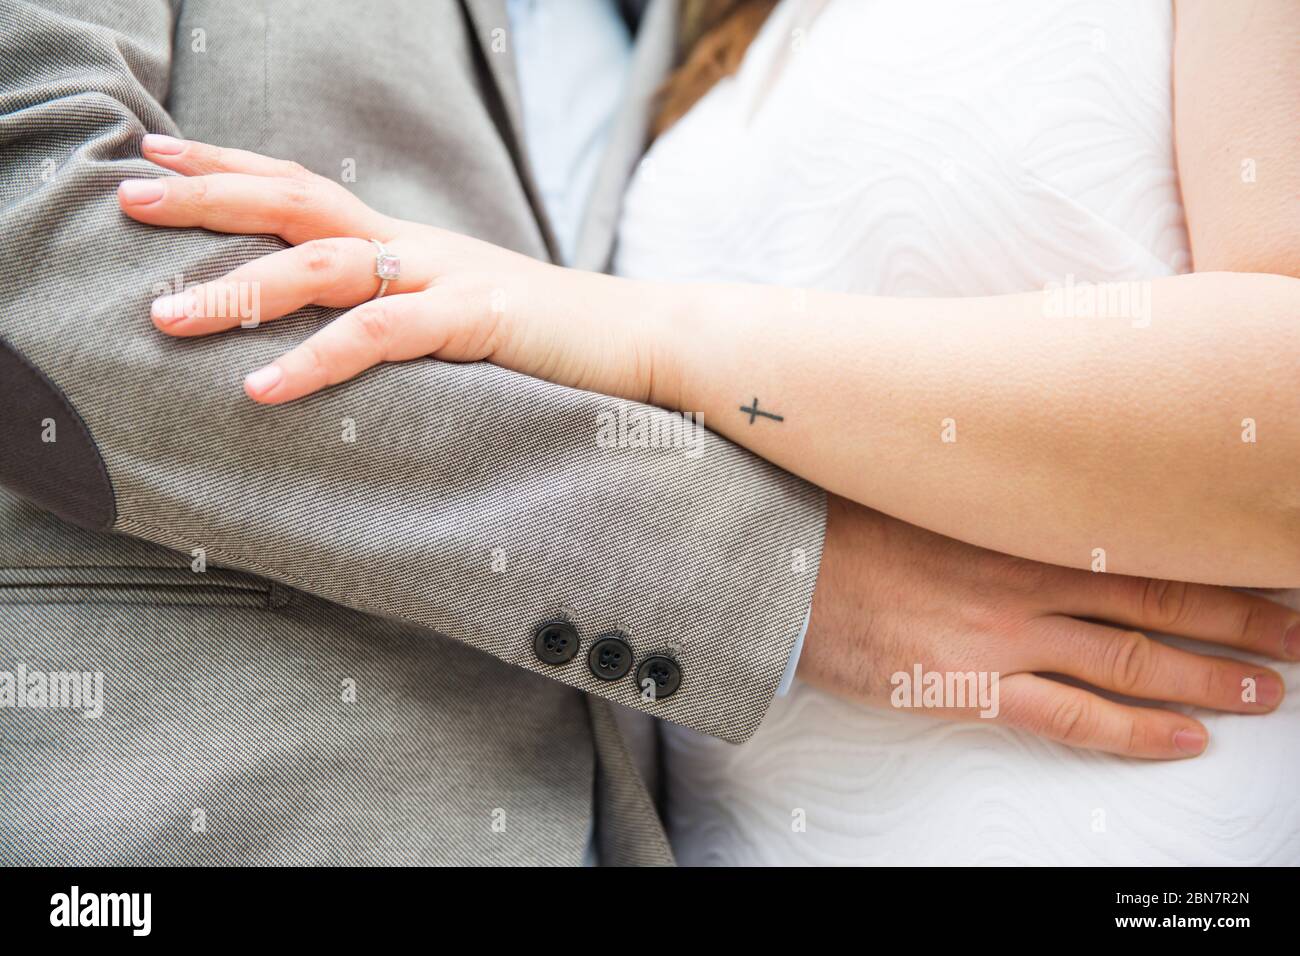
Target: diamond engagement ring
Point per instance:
(387, 267)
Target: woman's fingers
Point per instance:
(295, 203)
(192, 158)
(1078, 718)
(329, 272)
(1130, 663)
(391, 329)
(296, 209)
(1201, 611)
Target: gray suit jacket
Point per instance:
(355, 677)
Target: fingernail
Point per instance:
(137, 191)
(1268, 690)
(158, 143)
(263, 380)
(1189, 741)
(1291, 641)
(172, 308)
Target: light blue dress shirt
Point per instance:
(572, 59)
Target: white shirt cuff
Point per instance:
(790, 666)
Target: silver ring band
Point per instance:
(387, 267)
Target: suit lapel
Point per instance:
(485, 19)
(652, 58)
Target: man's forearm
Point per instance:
(474, 501)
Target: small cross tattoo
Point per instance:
(753, 412)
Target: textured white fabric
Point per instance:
(944, 148)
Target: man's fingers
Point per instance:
(297, 210)
(390, 329)
(329, 272)
(1078, 718)
(192, 158)
(1201, 611)
(1130, 663)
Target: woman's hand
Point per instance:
(456, 298)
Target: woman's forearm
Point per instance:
(1236, 102)
(1153, 422)
(1166, 437)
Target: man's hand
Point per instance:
(891, 596)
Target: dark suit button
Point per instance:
(555, 642)
(610, 658)
(660, 676)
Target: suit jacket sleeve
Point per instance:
(471, 500)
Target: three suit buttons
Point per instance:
(609, 659)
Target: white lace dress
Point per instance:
(937, 149)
